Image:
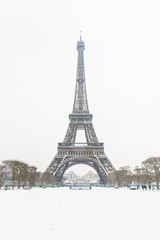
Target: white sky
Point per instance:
(38, 61)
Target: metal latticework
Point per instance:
(80, 100)
(92, 152)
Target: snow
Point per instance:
(61, 213)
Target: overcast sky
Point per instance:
(38, 59)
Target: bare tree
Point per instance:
(142, 175)
(31, 175)
(18, 170)
(1, 173)
(138, 175)
(11, 165)
(123, 176)
(22, 173)
(46, 178)
(152, 167)
(38, 178)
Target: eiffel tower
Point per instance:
(91, 152)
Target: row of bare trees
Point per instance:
(19, 172)
(152, 169)
(147, 173)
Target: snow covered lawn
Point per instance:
(61, 213)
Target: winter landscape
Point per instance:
(49, 70)
(61, 213)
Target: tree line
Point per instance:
(18, 172)
(148, 172)
(21, 173)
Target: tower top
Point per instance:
(80, 43)
(80, 100)
(80, 35)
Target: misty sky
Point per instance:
(38, 59)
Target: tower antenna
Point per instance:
(80, 35)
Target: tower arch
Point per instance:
(69, 162)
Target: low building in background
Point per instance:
(90, 177)
(71, 177)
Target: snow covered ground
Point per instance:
(60, 213)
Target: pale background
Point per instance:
(38, 61)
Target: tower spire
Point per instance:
(80, 35)
(80, 99)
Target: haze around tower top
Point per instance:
(38, 74)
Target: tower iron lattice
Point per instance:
(91, 152)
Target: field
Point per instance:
(61, 213)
